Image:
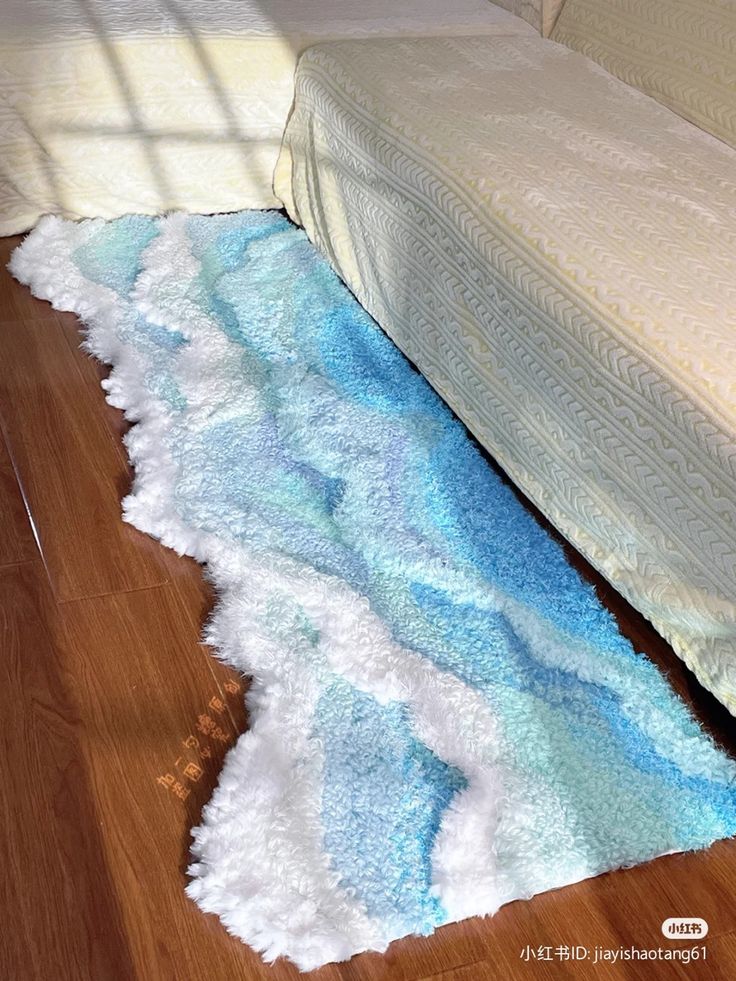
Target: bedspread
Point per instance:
(115, 106)
(555, 252)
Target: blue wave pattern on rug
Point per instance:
(316, 446)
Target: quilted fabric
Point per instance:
(115, 106)
(555, 251)
(530, 10)
(681, 52)
(542, 14)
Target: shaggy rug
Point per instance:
(443, 716)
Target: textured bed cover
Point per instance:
(555, 251)
(115, 106)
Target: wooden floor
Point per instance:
(115, 720)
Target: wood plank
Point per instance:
(93, 372)
(17, 302)
(149, 693)
(720, 962)
(16, 541)
(412, 958)
(60, 917)
(180, 568)
(71, 467)
(620, 909)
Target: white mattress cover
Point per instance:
(112, 106)
(557, 253)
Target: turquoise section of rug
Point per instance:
(302, 438)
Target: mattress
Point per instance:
(555, 251)
(112, 106)
(681, 54)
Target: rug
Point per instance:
(443, 716)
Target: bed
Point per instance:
(115, 106)
(555, 251)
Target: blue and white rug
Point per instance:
(443, 716)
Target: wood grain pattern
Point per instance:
(155, 705)
(16, 537)
(57, 897)
(73, 468)
(108, 756)
(17, 303)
